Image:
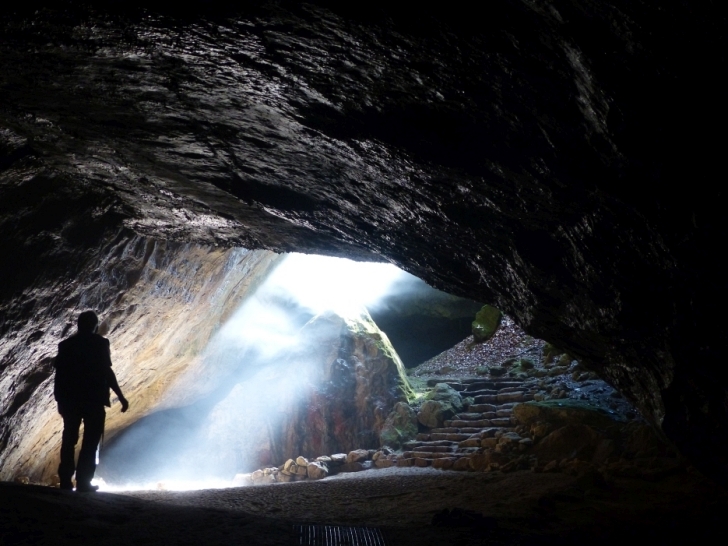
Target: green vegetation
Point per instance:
(486, 323)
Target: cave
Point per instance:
(555, 160)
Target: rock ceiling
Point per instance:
(556, 159)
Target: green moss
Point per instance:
(364, 325)
(486, 323)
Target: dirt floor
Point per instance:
(412, 506)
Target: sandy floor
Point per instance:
(516, 508)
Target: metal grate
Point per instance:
(330, 535)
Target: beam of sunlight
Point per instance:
(258, 362)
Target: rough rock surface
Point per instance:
(555, 159)
(161, 303)
(357, 380)
(399, 427)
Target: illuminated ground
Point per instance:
(517, 508)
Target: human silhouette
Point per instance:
(83, 379)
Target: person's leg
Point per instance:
(71, 424)
(93, 429)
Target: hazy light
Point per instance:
(253, 349)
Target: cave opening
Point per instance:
(262, 363)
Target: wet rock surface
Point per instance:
(555, 161)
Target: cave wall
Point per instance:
(556, 159)
(159, 303)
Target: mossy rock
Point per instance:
(486, 323)
(550, 352)
(565, 412)
(399, 427)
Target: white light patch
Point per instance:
(164, 485)
(323, 284)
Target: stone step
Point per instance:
(425, 454)
(501, 422)
(470, 424)
(451, 437)
(518, 388)
(441, 443)
(427, 446)
(444, 430)
(515, 396)
(458, 386)
(501, 382)
(482, 408)
(486, 399)
(480, 392)
(467, 450)
(446, 463)
(470, 442)
(504, 412)
(468, 416)
(470, 430)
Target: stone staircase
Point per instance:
(482, 424)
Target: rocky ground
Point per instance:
(538, 450)
(412, 506)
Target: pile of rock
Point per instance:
(301, 468)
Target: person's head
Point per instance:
(88, 322)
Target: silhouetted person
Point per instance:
(83, 379)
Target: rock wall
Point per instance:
(159, 303)
(556, 159)
(358, 380)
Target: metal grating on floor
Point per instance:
(331, 535)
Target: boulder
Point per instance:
(440, 404)
(433, 413)
(445, 393)
(399, 427)
(357, 378)
(564, 412)
(338, 458)
(486, 323)
(358, 455)
(569, 442)
(301, 461)
(317, 470)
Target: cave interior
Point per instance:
(556, 160)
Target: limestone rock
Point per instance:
(317, 470)
(445, 393)
(569, 442)
(486, 323)
(563, 412)
(442, 403)
(357, 380)
(357, 456)
(433, 413)
(301, 461)
(338, 458)
(399, 427)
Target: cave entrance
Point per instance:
(279, 358)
